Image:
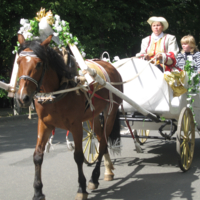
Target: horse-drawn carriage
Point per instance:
(147, 101)
(144, 83)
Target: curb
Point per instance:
(19, 117)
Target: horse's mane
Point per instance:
(52, 58)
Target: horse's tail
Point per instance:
(115, 137)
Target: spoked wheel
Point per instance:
(185, 141)
(141, 132)
(91, 147)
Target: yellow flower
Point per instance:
(40, 14)
(49, 16)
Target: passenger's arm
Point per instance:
(173, 50)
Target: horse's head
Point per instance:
(31, 69)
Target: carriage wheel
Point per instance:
(91, 147)
(141, 132)
(185, 141)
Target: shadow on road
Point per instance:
(152, 185)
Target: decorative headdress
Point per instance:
(45, 24)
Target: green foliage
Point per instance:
(193, 85)
(100, 25)
(35, 27)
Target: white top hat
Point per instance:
(159, 19)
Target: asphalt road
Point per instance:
(152, 175)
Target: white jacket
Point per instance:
(168, 43)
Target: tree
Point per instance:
(101, 25)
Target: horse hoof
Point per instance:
(81, 196)
(92, 186)
(39, 198)
(108, 177)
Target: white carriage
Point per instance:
(148, 88)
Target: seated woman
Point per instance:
(189, 52)
(160, 45)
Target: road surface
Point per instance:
(152, 175)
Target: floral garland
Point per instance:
(51, 24)
(193, 85)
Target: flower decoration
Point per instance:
(193, 85)
(45, 24)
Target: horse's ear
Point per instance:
(21, 39)
(47, 41)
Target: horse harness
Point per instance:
(42, 97)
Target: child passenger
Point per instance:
(189, 52)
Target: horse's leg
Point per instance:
(108, 175)
(43, 136)
(93, 183)
(77, 132)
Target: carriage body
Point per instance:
(144, 83)
(149, 90)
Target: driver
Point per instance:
(160, 45)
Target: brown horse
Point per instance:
(41, 69)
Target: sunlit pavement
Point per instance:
(152, 175)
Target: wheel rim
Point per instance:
(185, 139)
(142, 132)
(90, 149)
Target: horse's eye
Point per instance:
(39, 64)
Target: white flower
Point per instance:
(22, 29)
(13, 52)
(63, 23)
(83, 54)
(19, 32)
(116, 58)
(28, 35)
(27, 26)
(23, 21)
(75, 43)
(59, 28)
(70, 35)
(57, 18)
(56, 23)
(55, 34)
